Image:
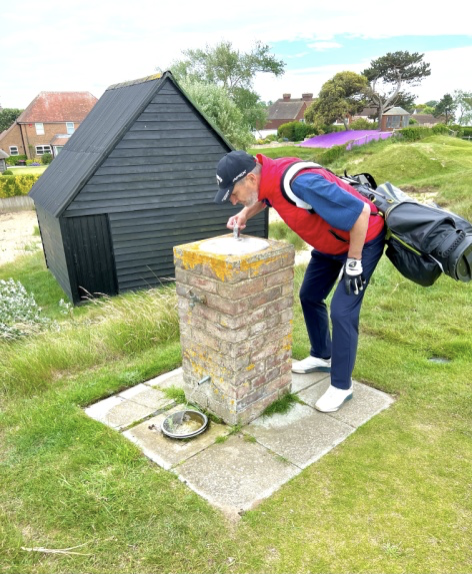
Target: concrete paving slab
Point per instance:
(168, 452)
(300, 382)
(302, 435)
(117, 412)
(237, 474)
(366, 403)
(147, 396)
(174, 378)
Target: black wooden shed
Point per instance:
(136, 178)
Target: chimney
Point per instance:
(307, 97)
(287, 97)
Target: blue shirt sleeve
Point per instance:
(331, 202)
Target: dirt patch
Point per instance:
(16, 235)
(413, 189)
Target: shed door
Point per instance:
(91, 253)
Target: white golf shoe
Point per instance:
(312, 364)
(333, 399)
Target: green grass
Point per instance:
(34, 170)
(281, 232)
(393, 497)
(281, 405)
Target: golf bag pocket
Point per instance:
(412, 264)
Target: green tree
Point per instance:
(446, 107)
(339, 98)
(222, 112)
(8, 117)
(232, 70)
(428, 110)
(388, 73)
(463, 102)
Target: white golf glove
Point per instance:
(353, 278)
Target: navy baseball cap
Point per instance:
(232, 168)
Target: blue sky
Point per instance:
(88, 45)
(350, 49)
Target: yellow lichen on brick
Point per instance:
(287, 343)
(191, 257)
(250, 367)
(255, 266)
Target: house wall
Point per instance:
(12, 137)
(32, 139)
(158, 186)
(53, 246)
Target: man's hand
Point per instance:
(239, 219)
(352, 275)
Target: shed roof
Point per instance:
(397, 111)
(58, 107)
(95, 138)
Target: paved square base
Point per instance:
(236, 471)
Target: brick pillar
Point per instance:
(235, 327)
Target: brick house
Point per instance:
(47, 123)
(427, 120)
(286, 110)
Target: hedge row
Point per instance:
(14, 185)
(415, 133)
(14, 159)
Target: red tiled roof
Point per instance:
(58, 107)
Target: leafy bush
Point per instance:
(19, 313)
(363, 124)
(15, 185)
(46, 158)
(8, 172)
(215, 103)
(14, 159)
(415, 133)
(457, 129)
(296, 131)
(440, 129)
(467, 131)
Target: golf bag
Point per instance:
(423, 240)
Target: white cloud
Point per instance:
(322, 46)
(447, 75)
(88, 45)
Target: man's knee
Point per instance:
(308, 297)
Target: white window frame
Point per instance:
(70, 128)
(41, 149)
(14, 150)
(39, 128)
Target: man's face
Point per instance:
(246, 191)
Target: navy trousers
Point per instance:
(320, 277)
